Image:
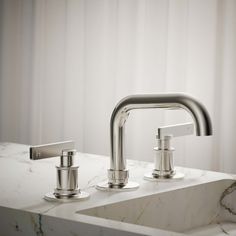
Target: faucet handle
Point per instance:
(164, 164)
(67, 171)
(50, 150)
(175, 130)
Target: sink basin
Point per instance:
(194, 210)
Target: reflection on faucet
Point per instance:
(118, 174)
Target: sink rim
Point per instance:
(108, 220)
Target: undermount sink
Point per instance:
(196, 210)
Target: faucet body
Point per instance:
(118, 174)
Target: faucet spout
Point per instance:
(118, 174)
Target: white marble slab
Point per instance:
(178, 210)
(23, 210)
(217, 229)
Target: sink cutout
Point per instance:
(192, 210)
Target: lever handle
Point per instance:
(164, 165)
(67, 172)
(175, 130)
(50, 150)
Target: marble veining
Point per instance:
(156, 208)
(219, 229)
(179, 210)
(226, 192)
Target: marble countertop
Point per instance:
(23, 210)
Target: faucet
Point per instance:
(67, 172)
(118, 174)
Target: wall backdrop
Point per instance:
(64, 64)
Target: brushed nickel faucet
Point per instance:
(118, 174)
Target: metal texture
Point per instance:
(120, 114)
(164, 164)
(67, 179)
(175, 130)
(175, 177)
(118, 188)
(67, 171)
(118, 177)
(50, 150)
(75, 197)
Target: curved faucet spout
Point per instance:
(197, 110)
(118, 174)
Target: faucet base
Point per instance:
(151, 177)
(105, 186)
(75, 197)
